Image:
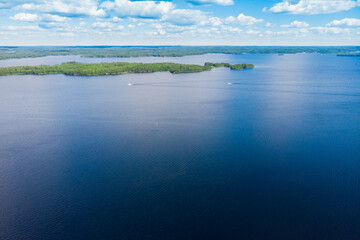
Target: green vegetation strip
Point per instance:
(160, 51)
(96, 69)
(349, 55)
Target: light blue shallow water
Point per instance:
(189, 156)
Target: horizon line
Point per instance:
(179, 45)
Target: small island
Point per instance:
(349, 55)
(99, 69)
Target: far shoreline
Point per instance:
(163, 51)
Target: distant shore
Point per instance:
(163, 51)
(349, 55)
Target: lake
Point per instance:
(267, 153)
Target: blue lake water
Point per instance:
(267, 153)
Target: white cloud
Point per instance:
(108, 26)
(26, 17)
(175, 29)
(53, 18)
(283, 33)
(53, 25)
(331, 30)
(67, 34)
(185, 17)
(213, 21)
(243, 20)
(296, 24)
(232, 29)
(156, 25)
(313, 6)
(220, 2)
(269, 25)
(116, 19)
(252, 32)
(67, 8)
(303, 30)
(6, 4)
(204, 31)
(21, 28)
(157, 33)
(142, 9)
(349, 22)
(102, 25)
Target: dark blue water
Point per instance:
(274, 155)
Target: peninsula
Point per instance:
(98, 69)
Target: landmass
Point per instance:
(161, 51)
(349, 55)
(97, 69)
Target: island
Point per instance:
(116, 68)
(349, 55)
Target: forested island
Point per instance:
(349, 55)
(97, 69)
(161, 51)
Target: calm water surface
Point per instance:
(273, 155)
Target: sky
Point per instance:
(180, 22)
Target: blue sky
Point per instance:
(180, 22)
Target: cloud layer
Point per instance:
(313, 6)
(220, 2)
(349, 22)
(178, 22)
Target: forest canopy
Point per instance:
(95, 69)
(161, 51)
